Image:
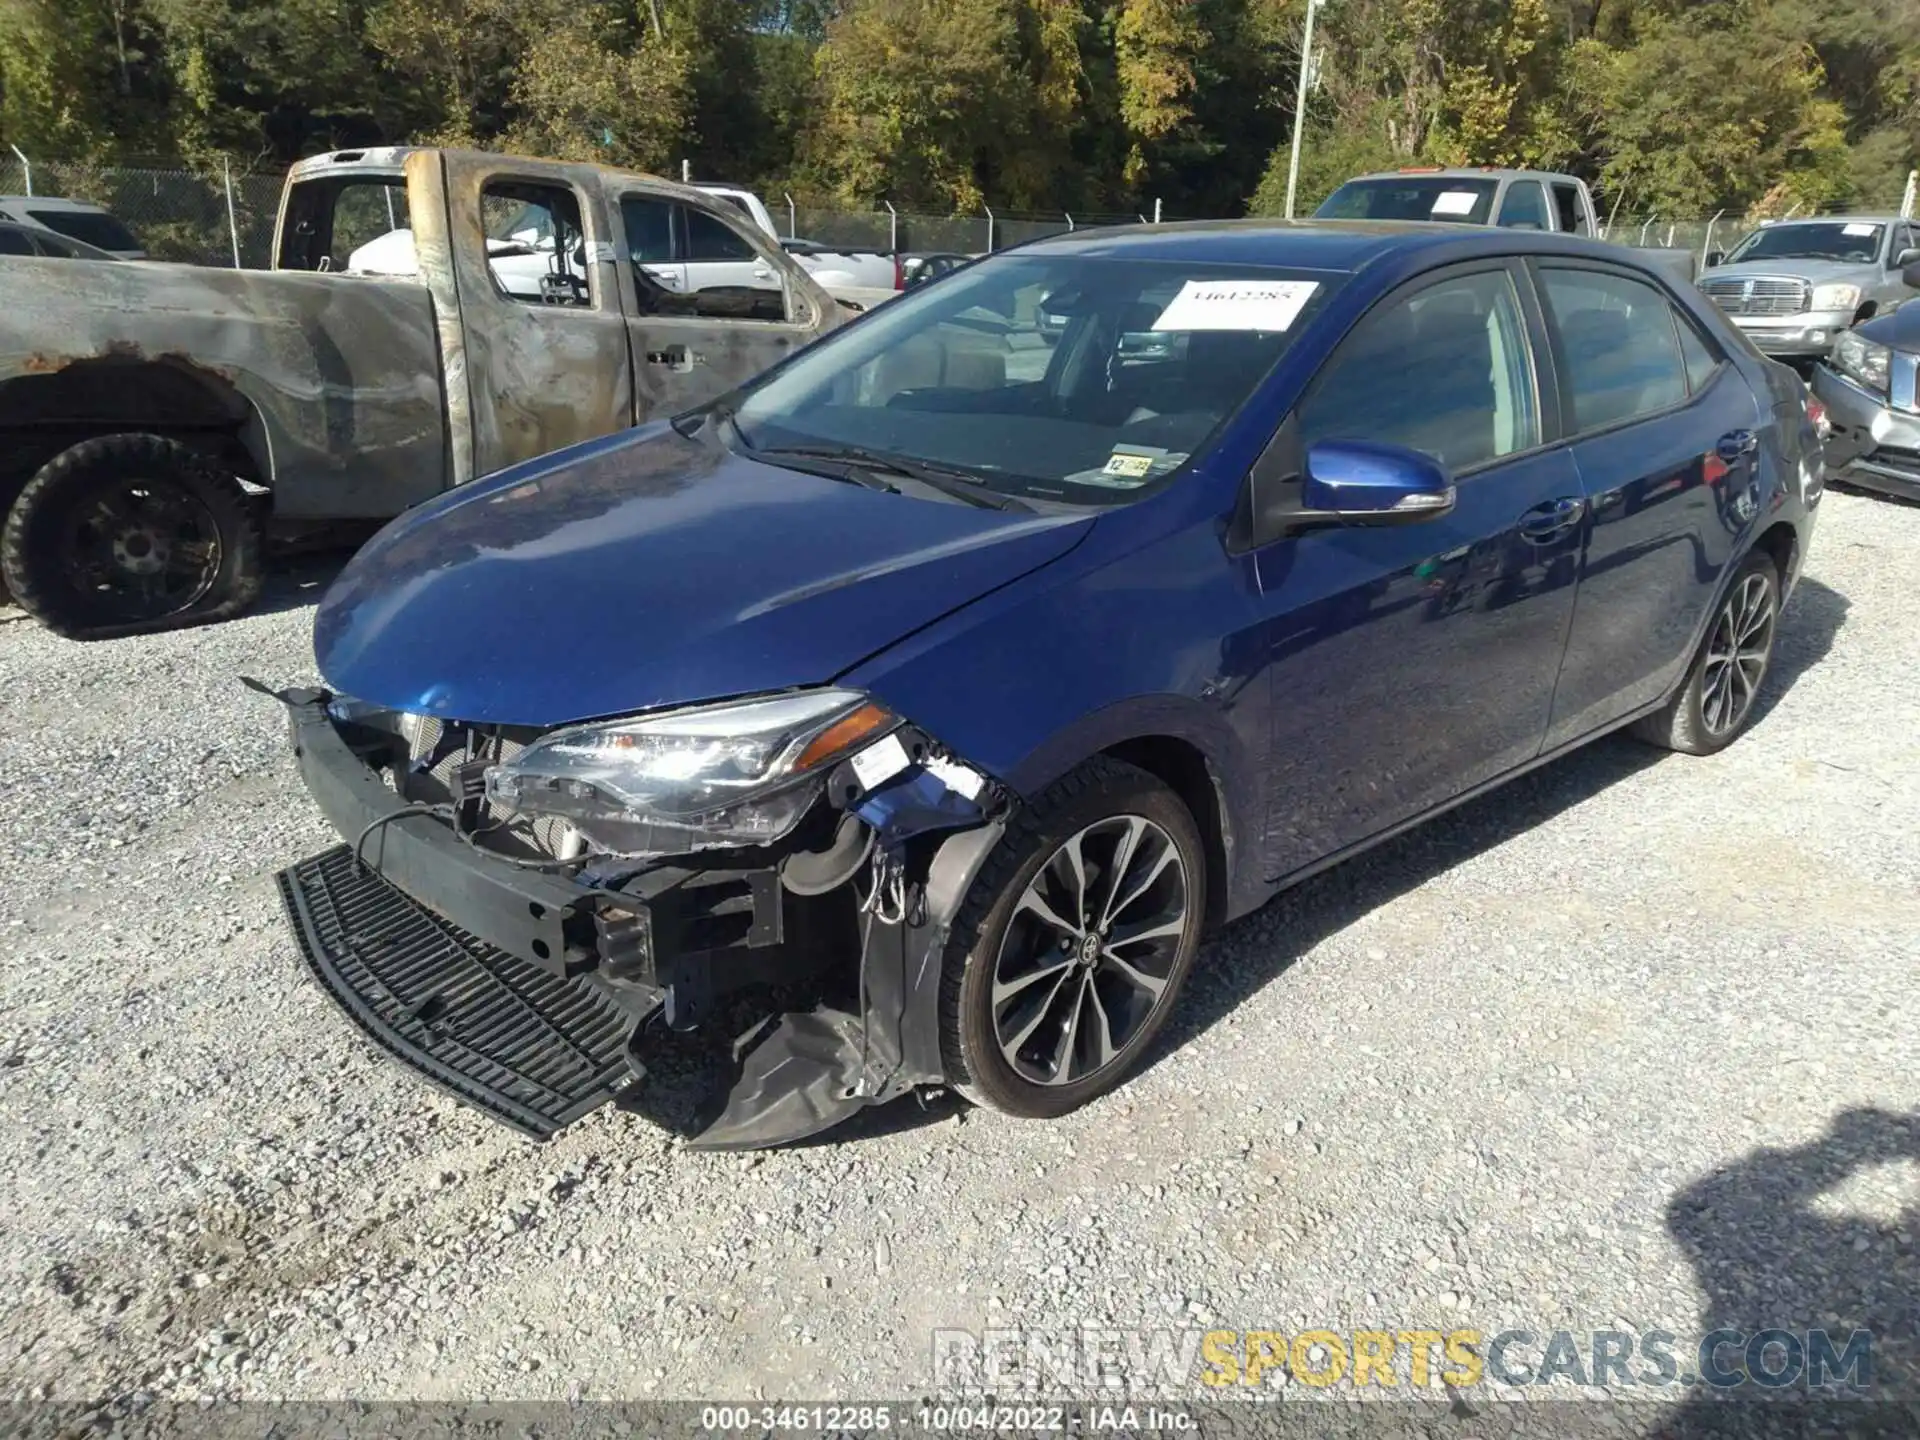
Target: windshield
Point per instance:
(1412, 197)
(1071, 378)
(1854, 240)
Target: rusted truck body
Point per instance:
(153, 418)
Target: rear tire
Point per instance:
(130, 534)
(1070, 950)
(1715, 703)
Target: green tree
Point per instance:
(923, 101)
(1157, 45)
(1721, 107)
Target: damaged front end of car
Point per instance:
(520, 915)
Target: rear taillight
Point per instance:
(1817, 413)
(899, 271)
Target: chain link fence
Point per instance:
(1721, 232)
(183, 215)
(177, 214)
(224, 219)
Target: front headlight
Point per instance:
(1862, 360)
(741, 773)
(1835, 297)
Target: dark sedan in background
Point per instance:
(1870, 388)
(16, 239)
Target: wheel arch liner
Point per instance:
(815, 1068)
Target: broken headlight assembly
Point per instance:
(1863, 361)
(741, 773)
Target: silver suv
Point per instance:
(1794, 286)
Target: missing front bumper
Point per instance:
(529, 995)
(533, 1049)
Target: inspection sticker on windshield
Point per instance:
(1859, 229)
(1455, 202)
(1236, 305)
(1129, 466)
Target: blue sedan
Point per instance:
(906, 717)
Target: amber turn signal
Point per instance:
(843, 734)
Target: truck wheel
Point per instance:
(129, 534)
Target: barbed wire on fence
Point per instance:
(188, 215)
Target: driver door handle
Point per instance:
(1553, 518)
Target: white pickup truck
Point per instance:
(1486, 195)
(830, 266)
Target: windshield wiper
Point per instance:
(948, 480)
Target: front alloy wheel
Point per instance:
(1076, 938)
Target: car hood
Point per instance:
(649, 570)
(1899, 329)
(1814, 272)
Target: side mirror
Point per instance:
(1358, 482)
(1716, 257)
(1910, 269)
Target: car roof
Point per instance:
(1466, 172)
(53, 202)
(1832, 220)
(1336, 245)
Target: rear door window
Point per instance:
(1525, 207)
(12, 242)
(709, 238)
(1700, 361)
(1568, 209)
(1619, 351)
(649, 225)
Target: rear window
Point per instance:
(1412, 197)
(90, 227)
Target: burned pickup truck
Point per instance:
(432, 316)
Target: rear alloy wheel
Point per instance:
(1717, 699)
(1074, 944)
(129, 534)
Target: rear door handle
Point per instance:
(1552, 519)
(1736, 443)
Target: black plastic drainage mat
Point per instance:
(532, 1050)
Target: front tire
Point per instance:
(1716, 701)
(1071, 949)
(129, 534)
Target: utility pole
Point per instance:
(1300, 104)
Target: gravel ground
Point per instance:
(1629, 1045)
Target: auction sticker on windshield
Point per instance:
(1860, 229)
(1455, 202)
(1236, 305)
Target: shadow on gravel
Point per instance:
(1813, 617)
(1767, 1259)
(1297, 920)
(300, 578)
